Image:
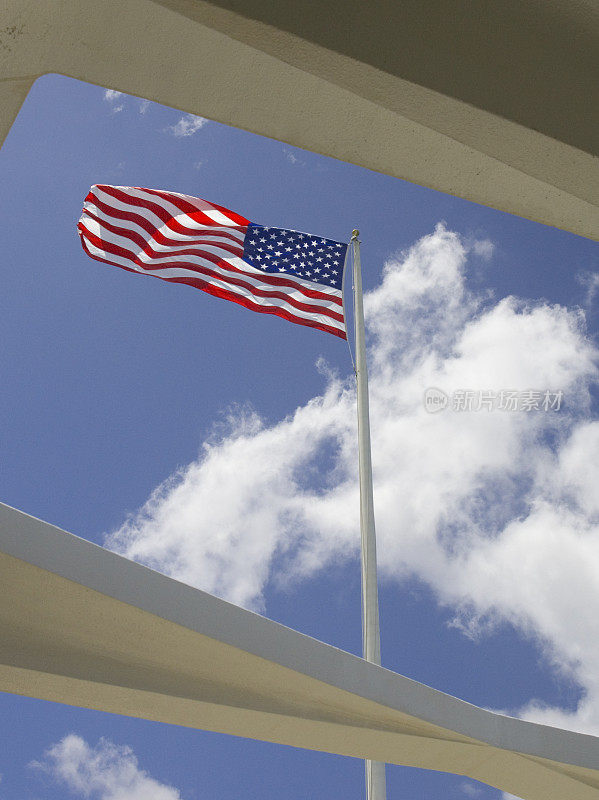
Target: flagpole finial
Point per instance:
(355, 233)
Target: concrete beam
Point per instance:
(495, 102)
(83, 626)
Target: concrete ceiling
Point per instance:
(83, 626)
(495, 101)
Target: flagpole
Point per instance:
(371, 640)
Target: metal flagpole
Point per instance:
(371, 640)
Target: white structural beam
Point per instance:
(83, 626)
(496, 102)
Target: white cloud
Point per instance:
(470, 789)
(116, 101)
(104, 772)
(113, 97)
(187, 125)
(483, 248)
(497, 511)
(590, 280)
(292, 157)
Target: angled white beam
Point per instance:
(83, 626)
(499, 106)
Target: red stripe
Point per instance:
(189, 208)
(179, 250)
(159, 211)
(104, 260)
(235, 298)
(154, 232)
(276, 280)
(109, 247)
(272, 280)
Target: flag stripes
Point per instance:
(183, 239)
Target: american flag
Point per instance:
(183, 239)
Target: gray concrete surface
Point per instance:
(495, 101)
(83, 626)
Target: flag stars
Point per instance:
(298, 254)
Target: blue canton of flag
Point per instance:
(278, 250)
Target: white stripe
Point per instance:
(209, 236)
(100, 230)
(182, 240)
(182, 272)
(156, 222)
(201, 205)
(140, 211)
(234, 289)
(316, 287)
(199, 230)
(218, 216)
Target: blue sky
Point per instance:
(113, 383)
